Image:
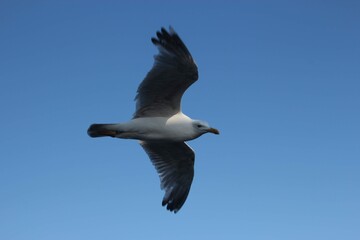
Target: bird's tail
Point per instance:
(103, 130)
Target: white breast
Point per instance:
(176, 128)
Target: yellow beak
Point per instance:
(213, 130)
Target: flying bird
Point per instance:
(158, 122)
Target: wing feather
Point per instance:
(174, 70)
(174, 162)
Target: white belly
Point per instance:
(177, 128)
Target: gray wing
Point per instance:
(174, 70)
(174, 162)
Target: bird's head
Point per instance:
(201, 127)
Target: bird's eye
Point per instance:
(199, 126)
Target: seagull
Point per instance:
(158, 123)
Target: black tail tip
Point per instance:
(95, 130)
(101, 130)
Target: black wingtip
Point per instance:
(155, 41)
(173, 203)
(165, 33)
(170, 206)
(159, 35)
(170, 40)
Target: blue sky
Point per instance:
(280, 79)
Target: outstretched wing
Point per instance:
(174, 162)
(174, 70)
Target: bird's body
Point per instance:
(175, 128)
(158, 121)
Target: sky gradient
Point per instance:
(280, 80)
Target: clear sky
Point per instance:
(279, 79)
